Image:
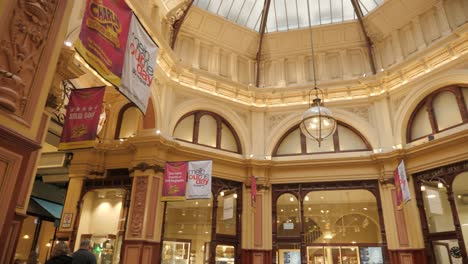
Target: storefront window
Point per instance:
(288, 215)
(187, 231)
(460, 192)
(348, 216)
(289, 253)
(225, 254)
(100, 222)
(437, 208)
(226, 213)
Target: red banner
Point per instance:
(103, 37)
(175, 180)
(82, 119)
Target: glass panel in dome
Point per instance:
(245, 12)
(288, 216)
(272, 24)
(348, 11)
(302, 13)
(350, 140)
(291, 14)
(291, 144)
(184, 129)
(235, 10)
(281, 16)
(228, 141)
(446, 110)
(421, 125)
(207, 131)
(129, 124)
(255, 15)
(214, 6)
(465, 94)
(336, 11)
(325, 12)
(325, 146)
(367, 5)
(224, 8)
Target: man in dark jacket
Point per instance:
(59, 254)
(84, 254)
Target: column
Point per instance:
(397, 52)
(233, 68)
(282, 73)
(301, 75)
(196, 54)
(142, 242)
(442, 17)
(214, 61)
(418, 33)
(71, 210)
(346, 74)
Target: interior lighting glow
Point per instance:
(235, 196)
(423, 188)
(291, 199)
(440, 185)
(306, 198)
(158, 132)
(48, 245)
(26, 237)
(68, 43)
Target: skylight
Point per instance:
(286, 15)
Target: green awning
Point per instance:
(52, 208)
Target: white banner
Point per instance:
(228, 210)
(405, 191)
(138, 68)
(199, 179)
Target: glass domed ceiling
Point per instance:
(286, 15)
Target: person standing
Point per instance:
(59, 254)
(84, 254)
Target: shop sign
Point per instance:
(175, 178)
(82, 118)
(199, 179)
(67, 220)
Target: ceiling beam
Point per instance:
(178, 23)
(266, 7)
(358, 11)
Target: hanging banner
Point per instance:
(82, 118)
(138, 67)
(175, 179)
(253, 190)
(199, 179)
(103, 37)
(228, 208)
(403, 193)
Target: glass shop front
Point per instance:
(204, 231)
(334, 223)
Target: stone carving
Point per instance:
(274, 120)
(138, 211)
(21, 46)
(174, 19)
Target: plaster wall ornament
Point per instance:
(396, 103)
(21, 46)
(138, 211)
(274, 120)
(174, 17)
(361, 111)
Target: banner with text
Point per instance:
(403, 193)
(138, 67)
(199, 179)
(82, 118)
(103, 37)
(175, 180)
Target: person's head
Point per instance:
(60, 249)
(85, 244)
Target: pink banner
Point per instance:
(253, 190)
(82, 118)
(103, 37)
(175, 180)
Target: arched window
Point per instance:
(127, 122)
(439, 111)
(207, 129)
(344, 139)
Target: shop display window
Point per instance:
(225, 254)
(176, 252)
(102, 247)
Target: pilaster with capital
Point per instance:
(144, 224)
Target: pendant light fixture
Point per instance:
(317, 122)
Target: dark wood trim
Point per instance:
(178, 24)
(266, 8)
(369, 44)
(300, 190)
(120, 117)
(249, 254)
(198, 114)
(336, 142)
(155, 257)
(446, 174)
(428, 103)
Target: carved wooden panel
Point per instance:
(23, 43)
(139, 202)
